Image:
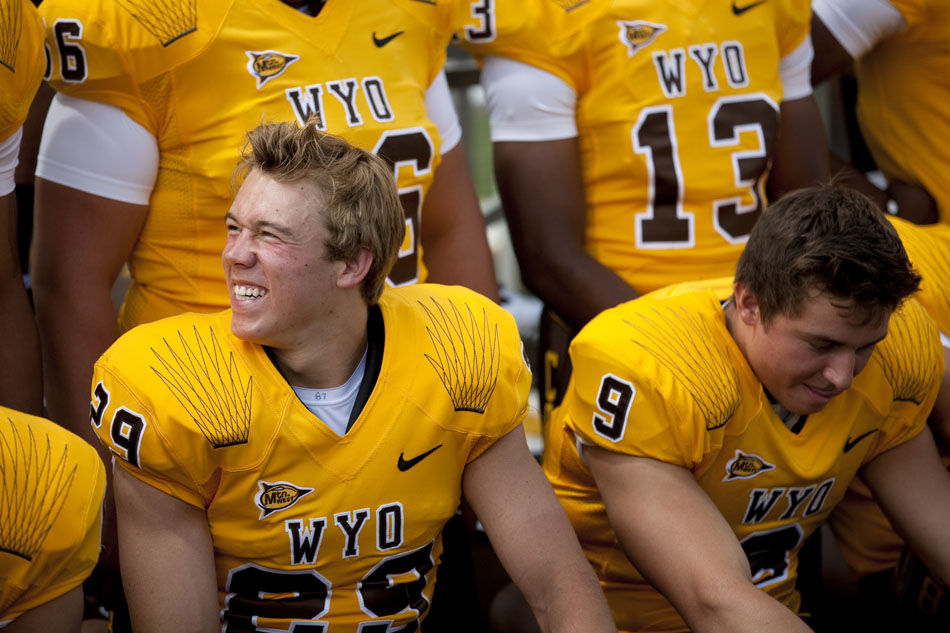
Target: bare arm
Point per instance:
(533, 538)
(167, 560)
(543, 197)
(454, 244)
(80, 243)
(913, 489)
(61, 615)
(939, 419)
(671, 530)
(831, 58)
(20, 379)
(801, 156)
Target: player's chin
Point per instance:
(244, 328)
(811, 400)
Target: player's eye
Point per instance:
(822, 347)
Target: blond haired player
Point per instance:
(21, 69)
(710, 428)
(50, 516)
(300, 452)
(139, 147)
(636, 142)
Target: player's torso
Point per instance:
(21, 62)
(333, 519)
(363, 69)
(911, 144)
(348, 526)
(677, 115)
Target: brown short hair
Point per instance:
(829, 238)
(361, 205)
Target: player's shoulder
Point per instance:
(422, 299)
(928, 248)
(452, 316)
(166, 333)
(181, 397)
(22, 62)
(87, 36)
(910, 356)
(23, 433)
(674, 343)
(53, 470)
(528, 29)
(693, 308)
(463, 353)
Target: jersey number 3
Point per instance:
(665, 223)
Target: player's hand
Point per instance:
(914, 203)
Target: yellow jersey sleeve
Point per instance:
(914, 11)
(50, 511)
(542, 33)
(793, 25)
(911, 362)
(22, 62)
(472, 349)
(654, 378)
(165, 396)
(928, 248)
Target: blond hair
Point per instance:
(360, 199)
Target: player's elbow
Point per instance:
(703, 598)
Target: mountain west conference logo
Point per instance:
(744, 466)
(279, 496)
(638, 34)
(268, 64)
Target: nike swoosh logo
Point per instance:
(432, 2)
(405, 464)
(382, 41)
(850, 443)
(740, 10)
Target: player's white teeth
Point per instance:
(249, 292)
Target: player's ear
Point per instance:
(747, 305)
(355, 269)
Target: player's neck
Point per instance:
(327, 356)
(732, 318)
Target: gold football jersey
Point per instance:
(910, 144)
(22, 62)
(661, 377)
(198, 75)
(865, 538)
(50, 512)
(338, 531)
(677, 115)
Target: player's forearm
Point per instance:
(454, 243)
(20, 381)
(913, 488)
(573, 602)
(462, 258)
(577, 287)
(801, 157)
(60, 615)
(739, 608)
(20, 378)
(76, 326)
